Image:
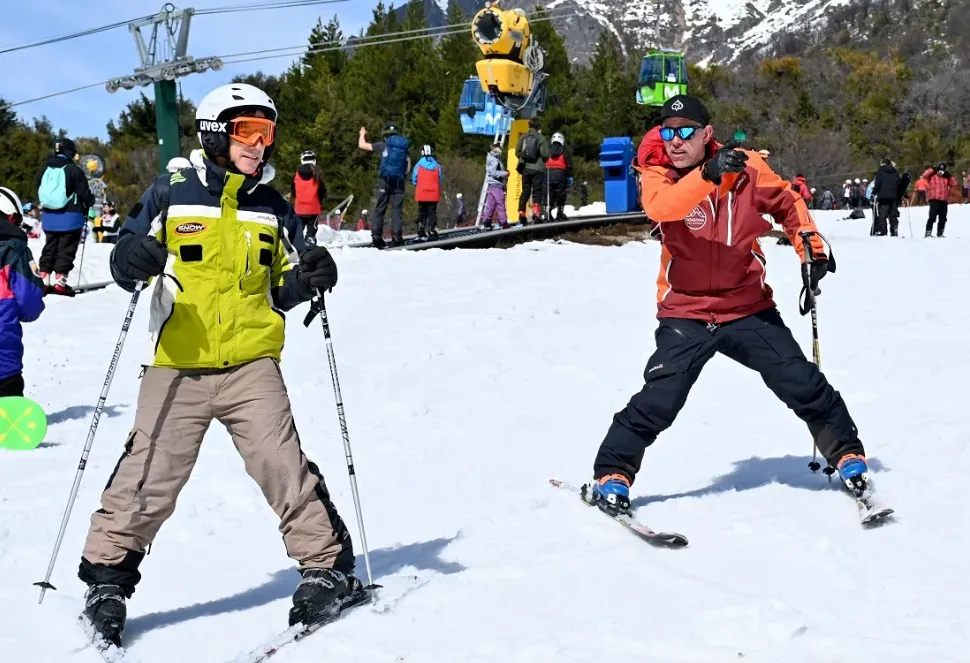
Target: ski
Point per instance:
(110, 652)
(871, 512)
(661, 539)
(300, 631)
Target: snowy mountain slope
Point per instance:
(707, 30)
(472, 377)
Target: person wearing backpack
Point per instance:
(65, 199)
(559, 170)
(394, 167)
(21, 293)
(532, 150)
(427, 180)
(308, 193)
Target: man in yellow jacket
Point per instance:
(213, 235)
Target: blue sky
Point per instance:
(38, 71)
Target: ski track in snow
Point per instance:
(472, 377)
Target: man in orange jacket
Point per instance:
(712, 297)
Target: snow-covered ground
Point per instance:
(472, 377)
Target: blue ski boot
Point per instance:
(854, 472)
(612, 494)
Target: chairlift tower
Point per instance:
(163, 59)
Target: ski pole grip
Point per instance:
(807, 245)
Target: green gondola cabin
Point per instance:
(663, 74)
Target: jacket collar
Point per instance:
(214, 177)
(10, 231)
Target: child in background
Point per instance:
(495, 178)
(21, 293)
(427, 180)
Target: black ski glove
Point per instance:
(819, 268)
(317, 271)
(725, 161)
(138, 257)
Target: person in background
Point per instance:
(847, 194)
(496, 177)
(307, 191)
(532, 151)
(459, 209)
(938, 185)
(919, 191)
(559, 170)
(31, 222)
(110, 223)
(885, 191)
(813, 200)
(362, 221)
(65, 198)
(801, 187)
(828, 200)
(584, 193)
(965, 181)
(394, 166)
(21, 293)
(176, 164)
(427, 179)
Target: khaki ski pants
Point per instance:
(175, 408)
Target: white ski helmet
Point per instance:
(458, 195)
(308, 157)
(223, 104)
(177, 163)
(426, 151)
(10, 203)
(857, 181)
(558, 138)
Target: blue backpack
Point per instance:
(394, 161)
(52, 193)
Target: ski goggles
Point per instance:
(250, 130)
(684, 133)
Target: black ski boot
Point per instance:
(323, 593)
(397, 240)
(104, 608)
(377, 241)
(432, 235)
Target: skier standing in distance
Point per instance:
(308, 192)
(217, 353)
(708, 201)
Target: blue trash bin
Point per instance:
(620, 186)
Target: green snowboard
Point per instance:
(23, 423)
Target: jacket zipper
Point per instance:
(249, 248)
(715, 250)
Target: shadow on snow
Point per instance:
(281, 585)
(80, 412)
(757, 472)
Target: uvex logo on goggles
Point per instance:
(212, 125)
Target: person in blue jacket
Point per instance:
(21, 293)
(427, 180)
(65, 199)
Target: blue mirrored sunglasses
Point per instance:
(685, 133)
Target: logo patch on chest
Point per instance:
(189, 228)
(697, 218)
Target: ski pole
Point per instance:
(80, 266)
(318, 306)
(808, 304)
(46, 583)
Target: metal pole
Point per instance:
(167, 123)
(46, 584)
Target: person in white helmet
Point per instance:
(847, 194)
(307, 192)
(427, 179)
(23, 298)
(214, 238)
(459, 209)
(176, 164)
(559, 175)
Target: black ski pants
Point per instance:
(761, 342)
(533, 186)
(558, 185)
(937, 211)
(60, 248)
(309, 225)
(390, 190)
(12, 385)
(427, 216)
(887, 211)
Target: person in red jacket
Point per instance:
(308, 193)
(712, 297)
(938, 185)
(427, 179)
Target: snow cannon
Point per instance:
(513, 60)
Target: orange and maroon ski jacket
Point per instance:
(711, 266)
